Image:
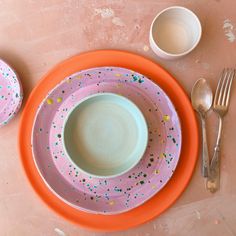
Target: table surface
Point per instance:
(36, 35)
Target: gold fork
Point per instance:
(220, 106)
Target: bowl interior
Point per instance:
(176, 30)
(105, 135)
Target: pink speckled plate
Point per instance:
(10, 93)
(113, 195)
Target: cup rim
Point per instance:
(173, 55)
(145, 133)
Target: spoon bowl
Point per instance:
(201, 96)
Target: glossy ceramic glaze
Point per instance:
(105, 135)
(10, 93)
(113, 195)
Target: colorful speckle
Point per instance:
(163, 155)
(166, 118)
(111, 203)
(59, 100)
(49, 101)
(135, 78)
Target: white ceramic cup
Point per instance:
(175, 32)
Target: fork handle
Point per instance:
(213, 182)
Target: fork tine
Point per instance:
(229, 87)
(226, 87)
(220, 86)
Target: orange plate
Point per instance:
(163, 199)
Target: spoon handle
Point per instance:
(205, 155)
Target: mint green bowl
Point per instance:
(105, 135)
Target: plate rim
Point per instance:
(144, 66)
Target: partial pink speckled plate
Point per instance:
(119, 194)
(10, 93)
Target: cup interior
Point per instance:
(105, 135)
(176, 30)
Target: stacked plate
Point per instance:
(107, 139)
(11, 93)
(100, 144)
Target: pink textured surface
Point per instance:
(35, 35)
